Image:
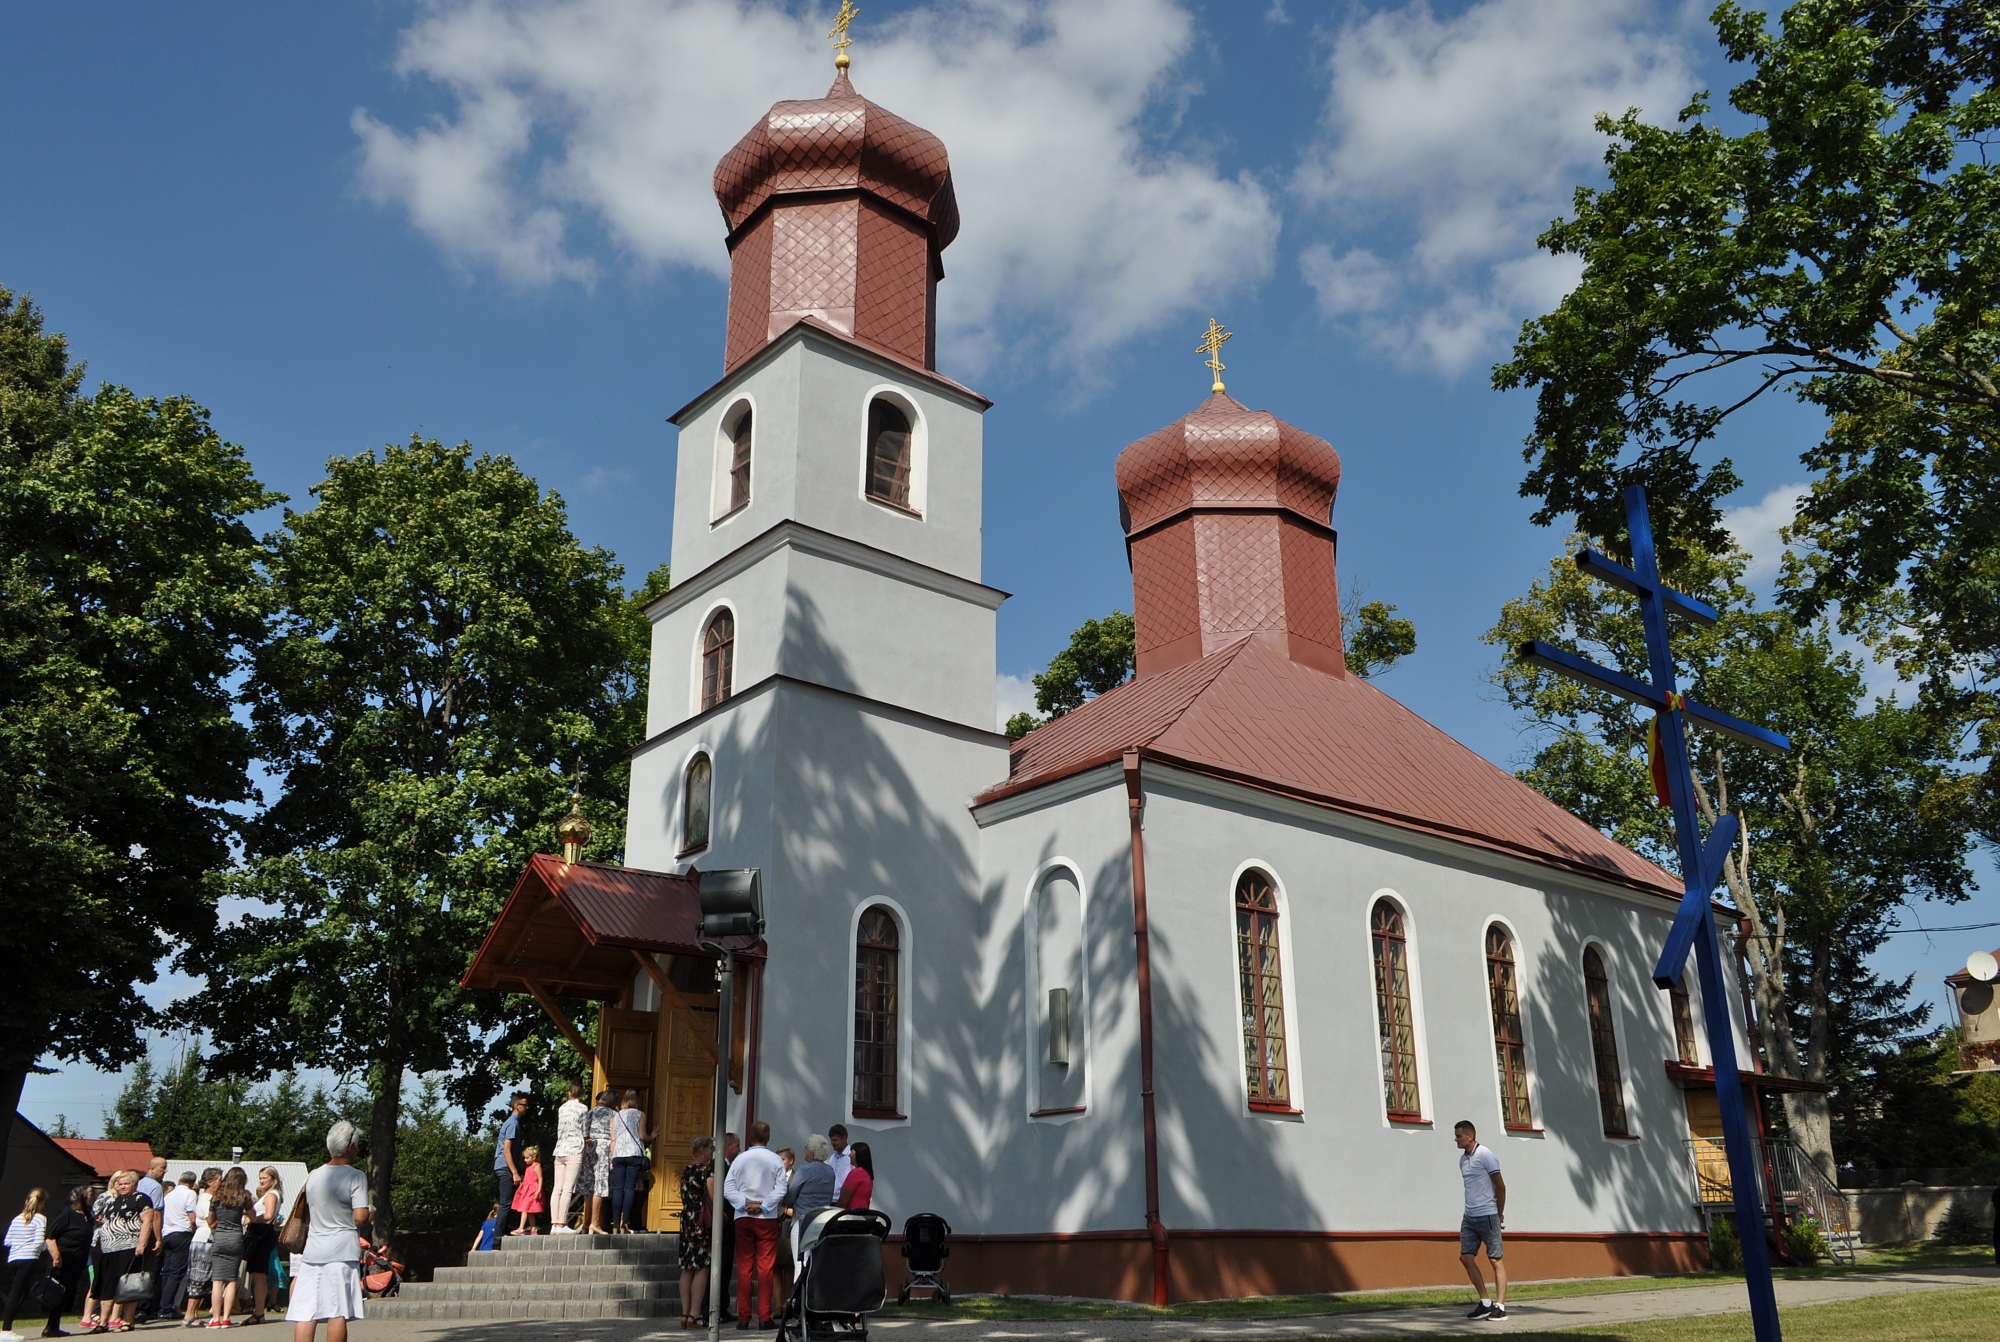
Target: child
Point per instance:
(489, 1232)
(528, 1197)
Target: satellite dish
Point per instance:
(1982, 966)
(1977, 999)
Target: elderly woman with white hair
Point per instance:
(810, 1189)
(326, 1275)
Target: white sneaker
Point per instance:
(559, 1230)
(10, 1336)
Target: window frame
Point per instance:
(919, 449)
(1247, 1011)
(720, 610)
(1511, 1120)
(1680, 1001)
(905, 1054)
(1413, 986)
(700, 755)
(722, 505)
(1609, 1031)
(1079, 1030)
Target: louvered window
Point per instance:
(1510, 1049)
(1394, 1012)
(1260, 975)
(739, 464)
(888, 453)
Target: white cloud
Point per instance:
(1448, 144)
(1755, 527)
(1016, 694)
(584, 132)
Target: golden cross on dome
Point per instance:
(1211, 345)
(841, 41)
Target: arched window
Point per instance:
(1604, 1043)
(696, 798)
(739, 462)
(718, 659)
(877, 973)
(1393, 1011)
(1510, 1049)
(888, 453)
(1683, 1023)
(1260, 976)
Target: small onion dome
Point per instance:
(1226, 456)
(837, 143)
(574, 830)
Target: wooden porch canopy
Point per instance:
(1688, 1074)
(580, 929)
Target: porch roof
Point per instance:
(569, 929)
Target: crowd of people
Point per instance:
(602, 1172)
(141, 1250)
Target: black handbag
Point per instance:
(134, 1287)
(47, 1291)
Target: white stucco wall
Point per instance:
(810, 397)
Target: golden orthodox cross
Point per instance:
(841, 41)
(1211, 345)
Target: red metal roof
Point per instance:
(1251, 714)
(106, 1157)
(571, 927)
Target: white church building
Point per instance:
(1179, 996)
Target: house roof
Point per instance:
(570, 928)
(1250, 714)
(104, 1156)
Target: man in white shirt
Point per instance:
(1485, 1214)
(755, 1183)
(842, 1159)
(176, 1234)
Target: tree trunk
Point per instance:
(12, 1078)
(382, 1123)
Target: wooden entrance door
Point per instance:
(687, 1100)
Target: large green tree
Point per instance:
(1837, 835)
(190, 1110)
(1836, 238)
(446, 658)
(129, 592)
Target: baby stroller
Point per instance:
(840, 1277)
(381, 1275)
(926, 1244)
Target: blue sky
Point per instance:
(337, 224)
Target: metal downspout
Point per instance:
(1155, 1229)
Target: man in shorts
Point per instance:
(1485, 1213)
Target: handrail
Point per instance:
(1802, 1188)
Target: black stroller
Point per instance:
(840, 1277)
(926, 1244)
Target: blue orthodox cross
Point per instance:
(1701, 863)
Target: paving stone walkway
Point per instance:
(1577, 1311)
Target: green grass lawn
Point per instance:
(1896, 1258)
(1926, 1316)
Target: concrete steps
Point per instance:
(551, 1277)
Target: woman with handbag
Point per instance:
(25, 1234)
(124, 1237)
(68, 1243)
(326, 1271)
(260, 1238)
(201, 1258)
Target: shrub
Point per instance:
(1804, 1244)
(1960, 1224)
(1725, 1251)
